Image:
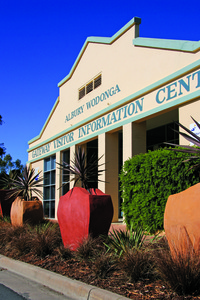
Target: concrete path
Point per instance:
(28, 280)
(118, 226)
(17, 287)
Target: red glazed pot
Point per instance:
(182, 221)
(81, 214)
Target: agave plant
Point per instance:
(82, 169)
(27, 184)
(122, 242)
(192, 138)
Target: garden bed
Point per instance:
(42, 246)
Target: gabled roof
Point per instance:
(179, 45)
(100, 40)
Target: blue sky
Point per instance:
(41, 39)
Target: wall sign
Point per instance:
(95, 101)
(154, 100)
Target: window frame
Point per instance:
(49, 186)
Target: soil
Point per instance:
(115, 282)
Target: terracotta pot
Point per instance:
(182, 220)
(26, 212)
(81, 214)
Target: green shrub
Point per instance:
(147, 180)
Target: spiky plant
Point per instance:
(192, 138)
(119, 241)
(84, 170)
(6, 181)
(27, 184)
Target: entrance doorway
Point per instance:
(92, 153)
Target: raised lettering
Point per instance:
(113, 117)
(158, 94)
(139, 105)
(106, 121)
(184, 84)
(171, 92)
(198, 78)
(131, 109)
(112, 91)
(117, 89)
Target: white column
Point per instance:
(102, 152)
(72, 152)
(127, 141)
(112, 167)
(134, 139)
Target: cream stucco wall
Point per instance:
(130, 67)
(149, 80)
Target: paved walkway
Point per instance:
(118, 226)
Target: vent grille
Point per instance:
(81, 93)
(97, 82)
(90, 86)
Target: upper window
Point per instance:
(82, 92)
(89, 87)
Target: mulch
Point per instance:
(115, 282)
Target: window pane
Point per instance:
(53, 162)
(53, 177)
(53, 192)
(65, 188)
(47, 178)
(46, 209)
(52, 210)
(49, 187)
(46, 193)
(47, 164)
(66, 156)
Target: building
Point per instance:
(119, 99)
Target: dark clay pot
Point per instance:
(6, 202)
